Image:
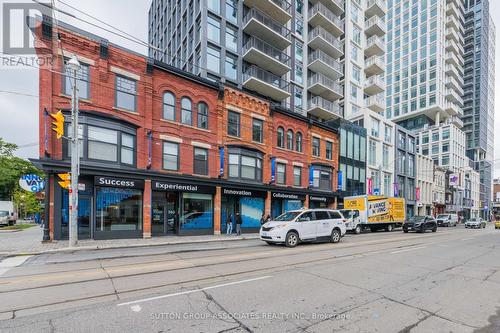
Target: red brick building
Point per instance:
(165, 152)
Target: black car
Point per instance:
(420, 224)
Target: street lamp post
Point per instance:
(74, 66)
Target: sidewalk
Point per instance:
(28, 242)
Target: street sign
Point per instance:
(376, 191)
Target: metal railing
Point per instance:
(376, 40)
(375, 20)
(321, 32)
(319, 78)
(322, 56)
(318, 101)
(374, 60)
(376, 79)
(319, 8)
(268, 77)
(274, 25)
(285, 5)
(268, 49)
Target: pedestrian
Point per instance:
(229, 224)
(263, 219)
(268, 218)
(238, 224)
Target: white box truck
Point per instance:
(7, 213)
(372, 212)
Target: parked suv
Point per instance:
(447, 220)
(420, 224)
(306, 225)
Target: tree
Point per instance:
(26, 203)
(11, 169)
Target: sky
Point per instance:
(19, 113)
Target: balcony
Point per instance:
(455, 121)
(451, 58)
(452, 34)
(320, 39)
(320, 62)
(453, 96)
(323, 108)
(335, 6)
(453, 109)
(375, 45)
(452, 83)
(265, 83)
(455, 11)
(375, 103)
(264, 55)
(454, 71)
(375, 7)
(280, 10)
(320, 15)
(374, 66)
(374, 85)
(458, 49)
(453, 22)
(375, 26)
(264, 27)
(325, 87)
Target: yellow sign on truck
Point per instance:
(375, 212)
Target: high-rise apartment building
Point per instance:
(288, 52)
(425, 77)
(479, 85)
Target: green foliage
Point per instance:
(11, 169)
(26, 202)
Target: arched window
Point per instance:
(298, 142)
(187, 112)
(289, 139)
(281, 137)
(203, 115)
(168, 106)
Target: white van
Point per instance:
(307, 225)
(447, 220)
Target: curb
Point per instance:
(111, 247)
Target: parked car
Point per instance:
(447, 220)
(307, 225)
(497, 225)
(475, 223)
(420, 224)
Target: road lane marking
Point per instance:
(12, 262)
(194, 290)
(406, 250)
(464, 239)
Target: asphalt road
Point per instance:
(447, 281)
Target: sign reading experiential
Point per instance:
(118, 182)
(180, 187)
(32, 183)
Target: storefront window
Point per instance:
(196, 211)
(251, 212)
(118, 209)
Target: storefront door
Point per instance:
(84, 216)
(165, 217)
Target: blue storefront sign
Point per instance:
(339, 182)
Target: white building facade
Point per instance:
(380, 151)
(439, 191)
(425, 180)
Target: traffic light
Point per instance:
(65, 180)
(58, 123)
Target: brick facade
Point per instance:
(151, 129)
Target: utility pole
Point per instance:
(74, 65)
